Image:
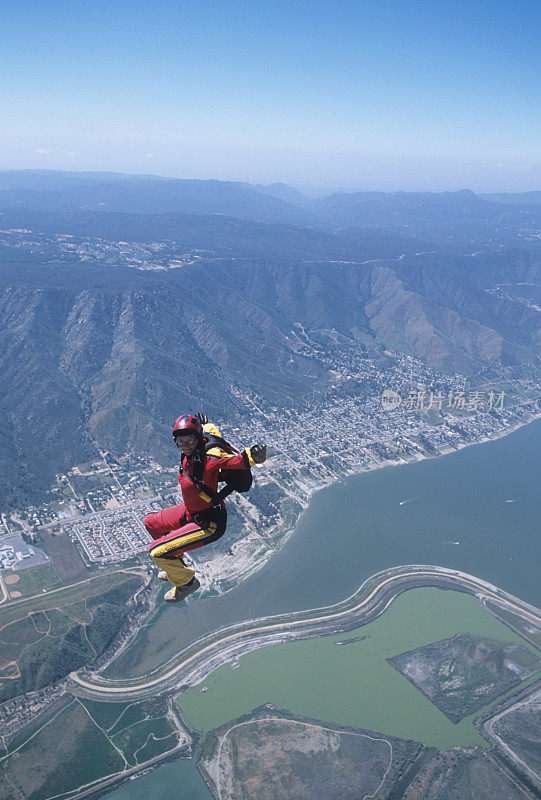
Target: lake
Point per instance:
(476, 510)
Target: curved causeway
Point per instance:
(194, 663)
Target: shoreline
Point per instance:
(250, 569)
(194, 663)
(371, 600)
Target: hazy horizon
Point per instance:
(415, 96)
(309, 190)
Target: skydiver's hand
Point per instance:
(203, 419)
(258, 453)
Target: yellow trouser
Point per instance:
(166, 549)
(177, 572)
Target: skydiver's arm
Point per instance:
(243, 460)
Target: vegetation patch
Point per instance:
(266, 497)
(59, 622)
(10, 671)
(462, 775)
(72, 745)
(45, 645)
(156, 747)
(268, 753)
(462, 674)
(62, 597)
(41, 621)
(132, 739)
(21, 632)
(105, 714)
(67, 752)
(132, 714)
(78, 611)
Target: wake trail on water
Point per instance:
(409, 500)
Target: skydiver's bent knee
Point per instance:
(208, 528)
(165, 521)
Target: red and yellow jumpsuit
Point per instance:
(196, 522)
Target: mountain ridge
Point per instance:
(112, 321)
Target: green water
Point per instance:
(353, 684)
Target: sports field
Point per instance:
(26, 582)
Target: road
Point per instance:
(127, 506)
(195, 663)
(499, 742)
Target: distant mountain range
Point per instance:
(446, 217)
(94, 350)
(54, 191)
(524, 199)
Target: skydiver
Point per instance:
(202, 517)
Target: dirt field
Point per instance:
(15, 594)
(65, 556)
(270, 756)
(520, 729)
(9, 580)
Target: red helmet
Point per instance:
(187, 424)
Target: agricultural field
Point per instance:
(87, 741)
(66, 558)
(462, 674)
(44, 638)
(268, 753)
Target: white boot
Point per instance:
(181, 592)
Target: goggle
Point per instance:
(185, 438)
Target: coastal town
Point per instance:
(408, 413)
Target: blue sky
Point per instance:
(361, 95)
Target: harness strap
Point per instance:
(218, 441)
(205, 492)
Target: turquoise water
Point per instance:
(177, 781)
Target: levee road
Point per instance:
(194, 663)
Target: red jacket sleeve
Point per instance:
(214, 465)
